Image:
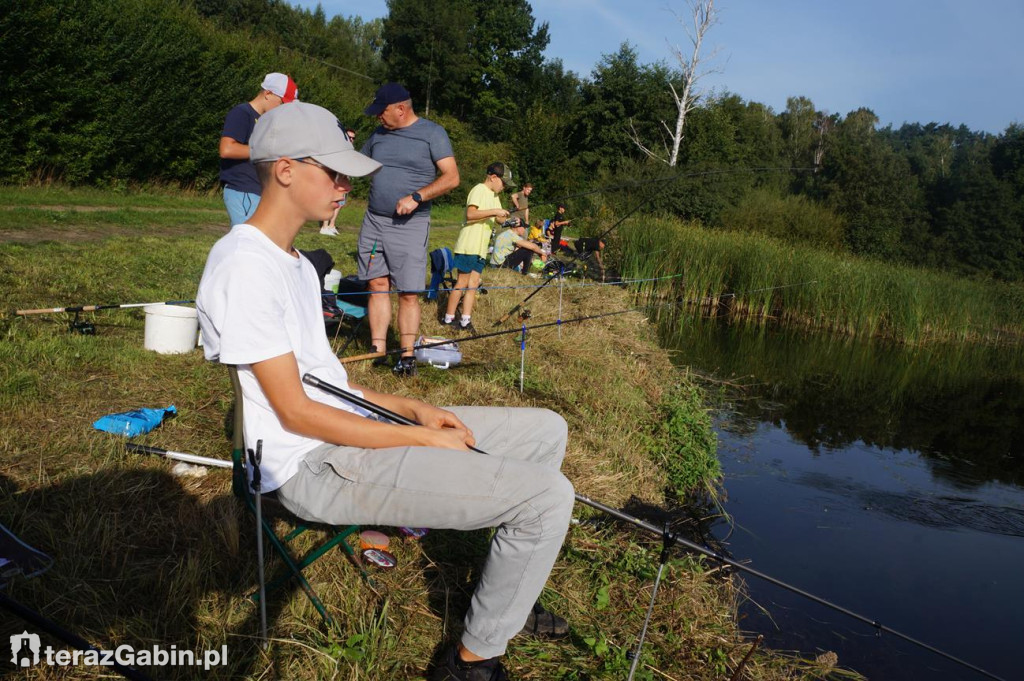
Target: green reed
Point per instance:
(761, 279)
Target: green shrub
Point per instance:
(685, 441)
(794, 219)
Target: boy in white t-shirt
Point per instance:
(259, 308)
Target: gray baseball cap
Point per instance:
(302, 130)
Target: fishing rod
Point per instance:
(88, 328)
(667, 536)
(385, 353)
(623, 218)
(685, 543)
(93, 308)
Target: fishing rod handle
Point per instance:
(360, 358)
(372, 407)
(51, 310)
(178, 456)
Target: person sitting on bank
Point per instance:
(327, 460)
(537, 234)
(591, 246)
(512, 249)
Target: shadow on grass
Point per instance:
(452, 563)
(138, 561)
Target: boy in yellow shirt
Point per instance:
(483, 209)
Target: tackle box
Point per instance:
(438, 356)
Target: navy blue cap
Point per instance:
(388, 93)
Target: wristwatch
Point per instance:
(416, 197)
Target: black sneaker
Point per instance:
(405, 366)
(383, 361)
(452, 668)
(444, 323)
(467, 327)
(544, 624)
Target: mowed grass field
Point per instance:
(144, 557)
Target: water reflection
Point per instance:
(938, 511)
(960, 407)
(887, 480)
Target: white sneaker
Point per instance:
(329, 231)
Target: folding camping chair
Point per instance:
(337, 536)
(440, 271)
(349, 305)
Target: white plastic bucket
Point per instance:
(171, 329)
(332, 280)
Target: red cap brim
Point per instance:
(291, 92)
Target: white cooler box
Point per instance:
(438, 356)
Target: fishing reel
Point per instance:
(82, 327)
(554, 268)
(512, 222)
(524, 315)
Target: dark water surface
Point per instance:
(888, 481)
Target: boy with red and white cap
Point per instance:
(237, 174)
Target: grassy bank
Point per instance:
(145, 558)
(763, 279)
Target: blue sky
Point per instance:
(947, 61)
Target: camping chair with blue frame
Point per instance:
(440, 271)
(347, 306)
(337, 536)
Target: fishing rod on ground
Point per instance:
(668, 538)
(87, 328)
(385, 353)
(177, 456)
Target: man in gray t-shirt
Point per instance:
(417, 165)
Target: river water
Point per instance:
(885, 480)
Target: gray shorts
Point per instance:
(398, 246)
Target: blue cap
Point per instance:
(388, 93)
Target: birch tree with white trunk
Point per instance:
(703, 16)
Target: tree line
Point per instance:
(110, 92)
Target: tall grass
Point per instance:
(762, 279)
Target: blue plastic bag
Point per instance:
(134, 422)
